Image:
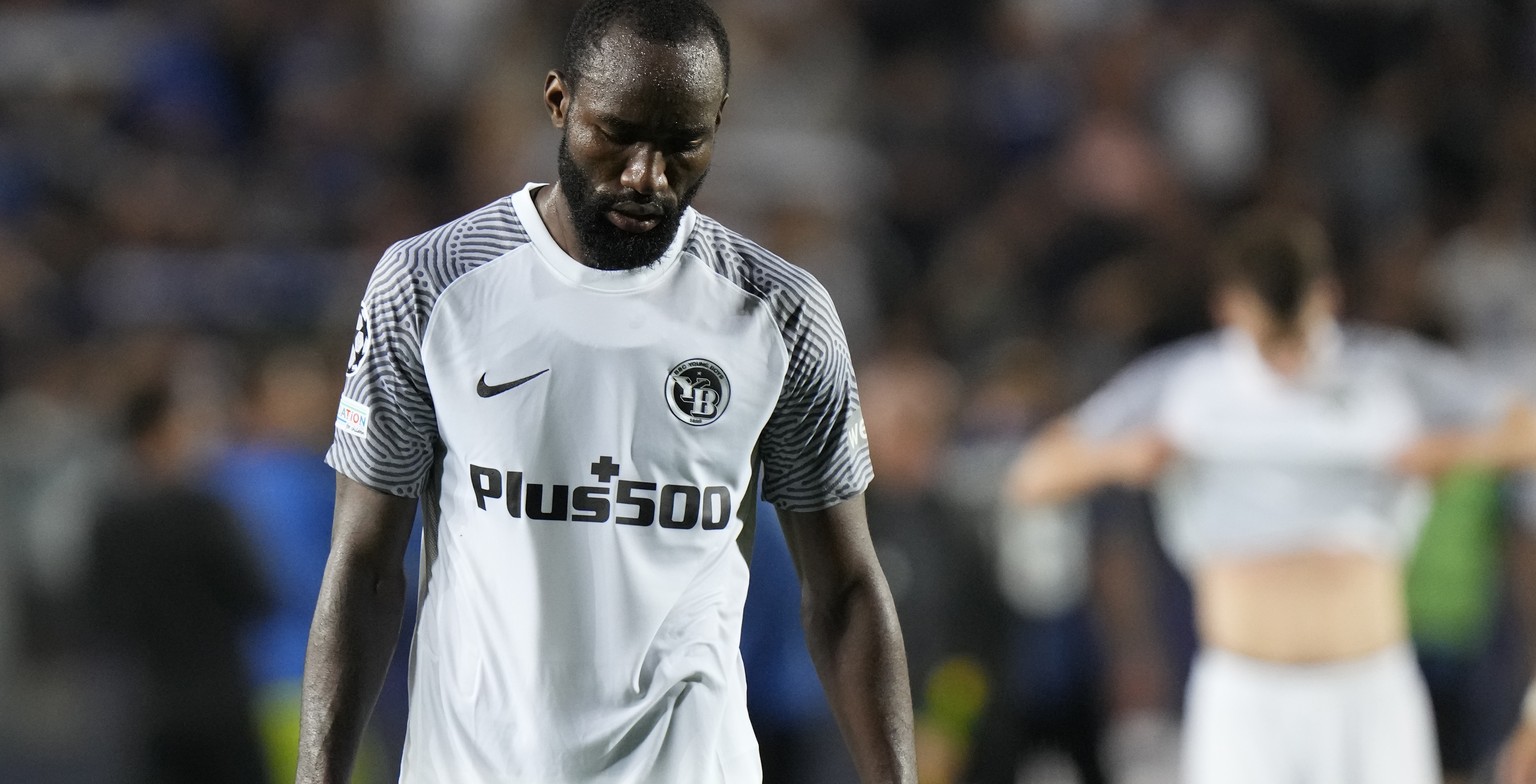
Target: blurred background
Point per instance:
(1008, 199)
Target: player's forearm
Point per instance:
(1517, 762)
(1059, 466)
(1510, 444)
(351, 641)
(1440, 453)
(1513, 443)
(855, 640)
(1050, 476)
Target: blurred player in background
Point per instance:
(585, 384)
(1288, 455)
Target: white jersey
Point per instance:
(586, 445)
(1267, 465)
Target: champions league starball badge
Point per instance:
(697, 391)
(361, 342)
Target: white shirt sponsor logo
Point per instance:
(352, 417)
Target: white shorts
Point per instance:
(1363, 721)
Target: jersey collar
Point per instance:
(588, 277)
(1325, 356)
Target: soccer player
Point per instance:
(585, 384)
(1288, 456)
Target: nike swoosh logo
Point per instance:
(492, 390)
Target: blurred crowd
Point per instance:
(1008, 199)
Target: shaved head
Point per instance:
(675, 23)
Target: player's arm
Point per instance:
(357, 620)
(1471, 417)
(1061, 463)
(854, 638)
(1517, 763)
(1508, 443)
(1111, 438)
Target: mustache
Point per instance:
(635, 203)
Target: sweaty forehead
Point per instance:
(626, 66)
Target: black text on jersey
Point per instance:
(678, 506)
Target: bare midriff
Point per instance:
(1301, 607)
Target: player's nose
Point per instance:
(645, 171)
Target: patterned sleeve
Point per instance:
(814, 449)
(385, 426)
(1130, 400)
(1449, 391)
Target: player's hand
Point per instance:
(1140, 458)
(1433, 455)
(1517, 763)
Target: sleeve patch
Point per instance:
(352, 417)
(858, 435)
(361, 341)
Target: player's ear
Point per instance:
(557, 97)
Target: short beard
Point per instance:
(604, 245)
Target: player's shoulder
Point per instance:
(427, 262)
(1380, 343)
(755, 269)
(1188, 364)
(1181, 353)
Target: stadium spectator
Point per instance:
(273, 478)
(174, 585)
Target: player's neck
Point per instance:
(555, 211)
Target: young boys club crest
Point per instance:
(697, 391)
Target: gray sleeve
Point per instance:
(814, 449)
(1130, 400)
(1449, 391)
(385, 426)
